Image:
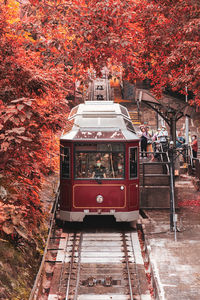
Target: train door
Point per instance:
(133, 177)
(65, 177)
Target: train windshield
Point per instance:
(99, 161)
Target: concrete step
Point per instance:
(155, 180)
(155, 197)
(153, 169)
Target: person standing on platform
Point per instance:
(143, 141)
(180, 140)
(194, 146)
(149, 143)
(163, 138)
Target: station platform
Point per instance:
(174, 265)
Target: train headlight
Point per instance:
(99, 199)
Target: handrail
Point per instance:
(191, 153)
(35, 289)
(161, 151)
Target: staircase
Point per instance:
(117, 92)
(154, 185)
(116, 88)
(134, 117)
(154, 174)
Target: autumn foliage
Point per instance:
(171, 45)
(45, 45)
(33, 108)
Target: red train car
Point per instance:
(99, 164)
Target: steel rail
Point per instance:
(127, 265)
(36, 288)
(71, 266)
(62, 269)
(136, 269)
(79, 267)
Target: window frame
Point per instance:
(129, 125)
(133, 147)
(103, 152)
(61, 163)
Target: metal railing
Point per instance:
(163, 174)
(163, 160)
(37, 286)
(193, 164)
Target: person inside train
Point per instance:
(99, 87)
(81, 165)
(120, 171)
(100, 97)
(99, 171)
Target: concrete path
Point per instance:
(175, 265)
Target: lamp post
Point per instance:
(172, 124)
(186, 119)
(172, 201)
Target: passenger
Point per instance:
(100, 97)
(106, 161)
(81, 165)
(194, 145)
(157, 150)
(155, 144)
(156, 136)
(114, 162)
(180, 140)
(99, 171)
(163, 137)
(143, 141)
(149, 143)
(120, 171)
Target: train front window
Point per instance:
(65, 162)
(99, 161)
(133, 154)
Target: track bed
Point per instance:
(96, 265)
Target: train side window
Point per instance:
(100, 97)
(129, 125)
(133, 154)
(65, 162)
(99, 87)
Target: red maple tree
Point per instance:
(32, 102)
(45, 45)
(171, 44)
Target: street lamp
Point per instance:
(172, 152)
(186, 118)
(172, 123)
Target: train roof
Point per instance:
(100, 120)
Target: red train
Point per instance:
(99, 161)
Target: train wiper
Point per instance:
(98, 180)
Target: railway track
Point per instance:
(96, 265)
